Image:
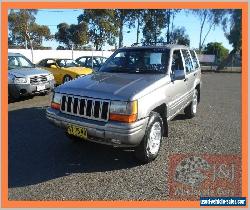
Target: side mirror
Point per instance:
(179, 75)
(53, 66)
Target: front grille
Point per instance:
(38, 79)
(89, 108)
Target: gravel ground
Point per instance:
(45, 165)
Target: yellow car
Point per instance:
(63, 69)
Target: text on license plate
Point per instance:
(40, 87)
(77, 131)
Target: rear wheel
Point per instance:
(191, 109)
(149, 147)
(66, 78)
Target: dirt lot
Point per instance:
(45, 165)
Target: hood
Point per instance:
(27, 72)
(114, 86)
(79, 70)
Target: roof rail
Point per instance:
(153, 44)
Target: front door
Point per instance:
(177, 88)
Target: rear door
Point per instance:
(190, 74)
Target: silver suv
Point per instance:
(131, 99)
(25, 79)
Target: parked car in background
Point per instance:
(131, 99)
(93, 62)
(25, 79)
(64, 70)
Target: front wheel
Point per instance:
(191, 109)
(149, 147)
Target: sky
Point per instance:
(52, 17)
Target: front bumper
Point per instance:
(110, 133)
(17, 90)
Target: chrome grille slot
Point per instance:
(63, 103)
(38, 79)
(75, 105)
(96, 109)
(69, 103)
(82, 106)
(89, 108)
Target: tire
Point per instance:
(191, 109)
(150, 145)
(66, 78)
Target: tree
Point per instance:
(60, 47)
(63, 34)
(102, 26)
(38, 34)
(23, 31)
(211, 16)
(179, 36)
(170, 14)
(155, 21)
(137, 15)
(232, 27)
(72, 35)
(123, 17)
(217, 49)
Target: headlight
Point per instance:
(123, 111)
(20, 80)
(56, 101)
(50, 77)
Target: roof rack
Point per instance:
(150, 44)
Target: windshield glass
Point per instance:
(19, 62)
(152, 60)
(67, 63)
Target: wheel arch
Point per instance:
(162, 110)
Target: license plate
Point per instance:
(77, 131)
(40, 87)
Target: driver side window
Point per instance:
(177, 63)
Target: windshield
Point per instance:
(67, 63)
(153, 60)
(19, 62)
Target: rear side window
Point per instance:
(82, 61)
(195, 60)
(187, 61)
